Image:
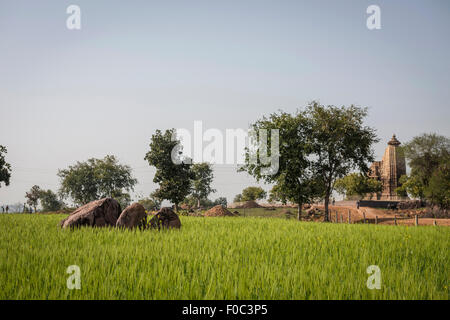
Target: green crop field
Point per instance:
(222, 258)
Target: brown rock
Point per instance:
(166, 218)
(99, 213)
(133, 216)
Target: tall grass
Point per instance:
(222, 258)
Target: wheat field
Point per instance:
(222, 258)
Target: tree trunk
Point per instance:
(327, 202)
(176, 207)
(299, 211)
(198, 203)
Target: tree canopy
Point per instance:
(294, 179)
(33, 196)
(173, 171)
(50, 201)
(253, 193)
(201, 182)
(357, 184)
(428, 156)
(317, 146)
(341, 143)
(95, 179)
(5, 168)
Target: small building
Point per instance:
(389, 170)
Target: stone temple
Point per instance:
(388, 171)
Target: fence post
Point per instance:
(395, 220)
(417, 220)
(337, 219)
(349, 217)
(364, 217)
(342, 218)
(376, 219)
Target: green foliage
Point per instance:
(33, 196)
(173, 172)
(357, 184)
(5, 168)
(253, 193)
(294, 180)
(151, 203)
(425, 154)
(411, 186)
(238, 198)
(96, 179)
(428, 156)
(49, 201)
(438, 190)
(201, 182)
(222, 258)
(221, 201)
(317, 146)
(340, 143)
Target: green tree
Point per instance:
(438, 189)
(411, 186)
(253, 193)
(5, 168)
(238, 198)
(49, 201)
(294, 178)
(202, 179)
(425, 154)
(221, 201)
(33, 197)
(357, 184)
(96, 179)
(341, 143)
(151, 203)
(173, 171)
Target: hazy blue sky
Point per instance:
(137, 66)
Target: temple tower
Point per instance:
(389, 170)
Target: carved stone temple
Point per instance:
(389, 170)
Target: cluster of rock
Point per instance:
(107, 213)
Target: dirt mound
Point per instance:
(219, 211)
(250, 205)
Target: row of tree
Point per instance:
(321, 149)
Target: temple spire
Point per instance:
(394, 141)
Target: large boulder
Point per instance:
(99, 213)
(133, 216)
(166, 218)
